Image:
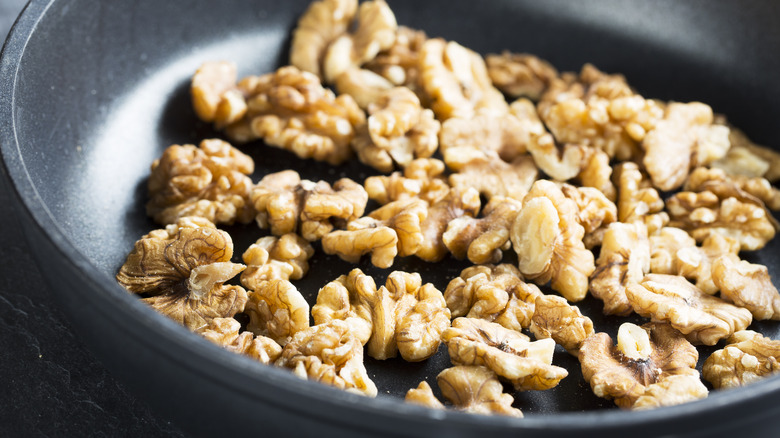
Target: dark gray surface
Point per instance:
(52, 385)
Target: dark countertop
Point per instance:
(52, 385)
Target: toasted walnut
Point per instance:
(747, 285)
(345, 298)
(182, 268)
(554, 318)
(596, 212)
(457, 203)
(673, 390)
(484, 239)
(211, 181)
(747, 358)
(637, 201)
(644, 356)
(597, 173)
(276, 258)
(283, 201)
(331, 354)
(423, 396)
(702, 318)
(624, 258)
(456, 82)
(683, 139)
(318, 27)
(741, 161)
(422, 178)
(508, 353)
(476, 390)
(547, 238)
(398, 130)
(495, 178)
(560, 165)
(739, 140)
(520, 74)
(756, 190)
(290, 109)
(225, 332)
(215, 97)
(277, 310)
(493, 293)
(399, 64)
(365, 86)
(350, 245)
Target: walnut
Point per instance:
(225, 332)
(345, 298)
(747, 358)
(318, 27)
(484, 239)
(457, 203)
(399, 64)
(520, 74)
(422, 178)
(508, 353)
(702, 318)
(554, 318)
(493, 293)
(673, 390)
(637, 201)
(283, 202)
(560, 165)
(597, 173)
(331, 354)
(398, 130)
(290, 109)
(182, 269)
(747, 285)
(547, 238)
(644, 356)
(475, 389)
(276, 258)
(740, 141)
(495, 178)
(755, 190)
(741, 161)
(215, 97)
(596, 212)
(683, 139)
(624, 258)
(423, 396)
(350, 245)
(211, 181)
(456, 82)
(277, 310)
(365, 86)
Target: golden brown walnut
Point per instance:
(756, 190)
(643, 356)
(399, 64)
(215, 97)
(624, 259)
(423, 395)
(276, 258)
(225, 332)
(284, 203)
(673, 390)
(318, 27)
(421, 315)
(350, 245)
(495, 178)
(398, 130)
(277, 310)
(484, 239)
(556, 319)
(331, 354)
(559, 164)
(748, 357)
(547, 237)
(637, 201)
(508, 353)
(702, 318)
(520, 74)
(345, 298)
(457, 203)
(493, 293)
(422, 178)
(211, 181)
(365, 86)
(596, 212)
(597, 173)
(747, 285)
(182, 269)
(290, 109)
(741, 161)
(455, 81)
(761, 158)
(475, 389)
(683, 139)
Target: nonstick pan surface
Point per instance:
(91, 93)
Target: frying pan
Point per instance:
(92, 91)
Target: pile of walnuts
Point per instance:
(645, 205)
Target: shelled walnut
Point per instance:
(747, 285)
(225, 333)
(277, 310)
(457, 203)
(754, 190)
(520, 74)
(597, 173)
(215, 96)
(345, 298)
(321, 23)
(493, 177)
(211, 181)
(399, 63)
(182, 269)
(637, 200)
(556, 319)
(749, 159)
(423, 395)
(276, 258)
(673, 390)
(422, 178)
(484, 239)
(748, 357)
(596, 212)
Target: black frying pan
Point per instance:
(91, 92)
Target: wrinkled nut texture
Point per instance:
(508, 353)
(747, 285)
(702, 318)
(559, 165)
(276, 258)
(215, 97)
(624, 259)
(554, 318)
(290, 109)
(364, 86)
(277, 310)
(403, 217)
(520, 74)
(748, 357)
(613, 375)
(331, 354)
(182, 268)
(423, 395)
(547, 238)
(398, 130)
(399, 64)
(475, 389)
(493, 177)
(597, 173)
(350, 245)
(225, 332)
(769, 158)
(740, 161)
(596, 212)
(455, 81)
(422, 178)
(484, 239)
(493, 293)
(457, 203)
(637, 201)
(318, 27)
(673, 390)
(683, 139)
(756, 190)
(345, 298)
(211, 181)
